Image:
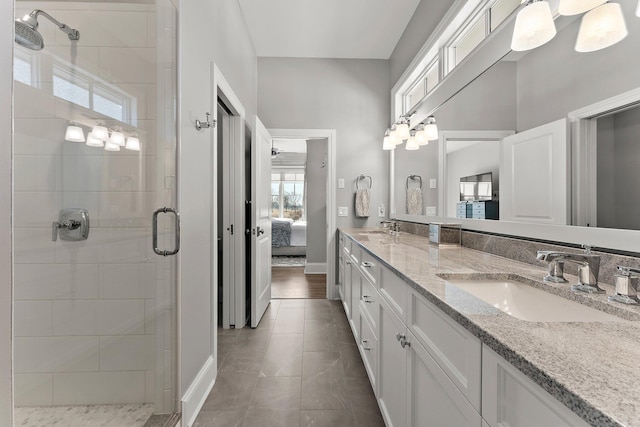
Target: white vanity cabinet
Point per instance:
(510, 399)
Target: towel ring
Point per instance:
(414, 178)
(363, 177)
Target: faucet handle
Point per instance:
(628, 271)
(587, 248)
(626, 282)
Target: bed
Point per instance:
(288, 237)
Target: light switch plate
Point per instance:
(381, 211)
(341, 183)
(343, 211)
(433, 183)
(431, 211)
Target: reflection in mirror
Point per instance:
(525, 91)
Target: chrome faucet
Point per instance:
(626, 281)
(588, 269)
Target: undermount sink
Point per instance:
(528, 303)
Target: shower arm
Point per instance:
(73, 34)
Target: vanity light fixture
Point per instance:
(110, 146)
(602, 27)
(431, 129)
(92, 141)
(133, 143)
(412, 144)
(117, 138)
(534, 26)
(575, 7)
(74, 134)
(100, 132)
(388, 143)
(421, 135)
(402, 129)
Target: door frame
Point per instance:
(330, 136)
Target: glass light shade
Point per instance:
(92, 141)
(100, 132)
(133, 143)
(412, 144)
(534, 27)
(388, 143)
(421, 136)
(604, 26)
(575, 7)
(431, 129)
(402, 131)
(117, 138)
(74, 134)
(110, 146)
(638, 10)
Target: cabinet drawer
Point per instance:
(509, 398)
(369, 346)
(454, 348)
(369, 266)
(395, 291)
(369, 304)
(355, 254)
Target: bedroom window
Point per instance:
(287, 195)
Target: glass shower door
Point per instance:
(94, 157)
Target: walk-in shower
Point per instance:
(27, 34)
(95, 125)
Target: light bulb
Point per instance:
(534, 27)
(402, 131)
(602, 27)
(92, 141)
(133, 143)
(74, 134)
(575, 7)
(100, 132)
(117, 138)
(110, 146)
(431, 129)
(412, 144)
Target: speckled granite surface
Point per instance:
(591, 367)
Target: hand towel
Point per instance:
(414, 201)
(363, 202)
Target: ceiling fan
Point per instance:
(275, 152)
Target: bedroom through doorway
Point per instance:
(298, 213)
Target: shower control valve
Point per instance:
(72, 224)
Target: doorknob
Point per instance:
(260, 231)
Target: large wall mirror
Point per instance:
(500, 122)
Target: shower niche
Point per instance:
(95, 128)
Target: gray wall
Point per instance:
(6, 85)
(316, 175)
(212, 31)
(618, 165)
(349, 95)
(554, 79)
(426, 18)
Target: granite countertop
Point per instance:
(591, 367)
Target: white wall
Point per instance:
(351, 96)
(211, 31)
(316, 175)
(6, 84)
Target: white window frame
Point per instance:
(282, 172)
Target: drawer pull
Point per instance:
(364, 345)
(367, 299)
(367, 264)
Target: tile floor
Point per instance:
(300, 367)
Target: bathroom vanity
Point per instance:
(437, 354)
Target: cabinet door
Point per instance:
(392, 374)
(356, 283)
(346, 291)
(433, 399)
(510, 399)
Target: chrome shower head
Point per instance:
(27, 34)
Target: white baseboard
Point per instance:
(315, 268)
(198, 391)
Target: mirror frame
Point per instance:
(490, 51)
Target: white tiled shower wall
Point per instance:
(94, 320)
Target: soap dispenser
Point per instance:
(626, 281)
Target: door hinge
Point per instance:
(231, 229)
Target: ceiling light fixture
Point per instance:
(534, 26)
(602, 27)
(74, 134)
(575, 7)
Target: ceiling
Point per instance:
(327, 28)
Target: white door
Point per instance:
(534, 175)
(260, 222)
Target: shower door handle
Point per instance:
(155, 232)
